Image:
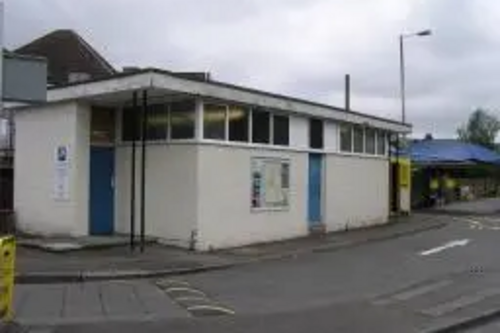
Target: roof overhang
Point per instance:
(159, 83)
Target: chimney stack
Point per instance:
(348, 92)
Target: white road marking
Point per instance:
(484, 224)
(449, 245)
(191, 298)
(210, 307)
(185, 289)
(169, 283)
(414, 292)
(460, 303)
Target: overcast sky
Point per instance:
(299, 47)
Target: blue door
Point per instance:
(102, 167)
(315, 181)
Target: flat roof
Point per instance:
(159, 79)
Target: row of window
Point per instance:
(176, 120)
(358, 139)
(237, 123)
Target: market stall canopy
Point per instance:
(449, 151)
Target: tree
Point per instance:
(428, 136)
(481, 128)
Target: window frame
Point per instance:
(374, 132)
(382, 135)
(362, 131)
(193, 120)
(248, 112)
(351, 140)
(273, 130)
(166, 109)
(311, 133)
(269, 129)
(225, 122)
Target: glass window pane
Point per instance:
(182, 119)
(238, 123)
(131, 124)
(370, 141)
(157, 125)
(358, 139)
(381, 143)
(346, 138)
(260, 126)
(281, 130)
(102, 125)
(316, 134)
(214, 121)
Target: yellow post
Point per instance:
(7, 267)
(405, 173)
(403, 185)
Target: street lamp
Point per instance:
(402, 37)
(397, 175)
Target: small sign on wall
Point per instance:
(61, 173)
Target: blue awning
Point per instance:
(449, 151)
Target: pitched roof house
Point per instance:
(70, 58)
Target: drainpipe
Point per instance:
(144, 122)
(132, 175)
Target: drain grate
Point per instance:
(477, 270)
(194, 300)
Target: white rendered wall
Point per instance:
(38, 133)
(171, 191)
(356, 193)
(226, 218)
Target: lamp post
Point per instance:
(402, 77)
(402, 38)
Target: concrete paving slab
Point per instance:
(119, 298)
(42, 303)
(82, 300)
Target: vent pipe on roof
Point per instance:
(348, 92)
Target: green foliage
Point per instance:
(481, 128)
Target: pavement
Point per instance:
(58, 244)
(35, 266)
(56, 261)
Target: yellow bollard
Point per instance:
(7, 262)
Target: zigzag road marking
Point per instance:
(210, 310)
(183, 290)
(195, 301)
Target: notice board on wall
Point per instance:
(270, 183)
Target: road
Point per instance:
(408, 284)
